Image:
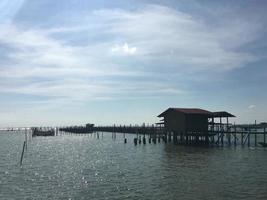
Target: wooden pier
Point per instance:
(218, 134)
(224, 135)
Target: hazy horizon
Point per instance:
(125, 62)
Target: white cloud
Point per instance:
(162, 33)
(124, 49)
(251, 106)
(159, 39)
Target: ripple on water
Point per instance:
(83, 167)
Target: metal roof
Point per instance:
(194, 111)
(222, 114)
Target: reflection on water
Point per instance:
(84, 167)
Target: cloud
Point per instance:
(43, 66)
(251, 106)
(164, 34)
(78, 63)
(125, 49)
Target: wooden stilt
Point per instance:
(175, 137)
(22, 153)
(249, 137)
(222, 132)
(264, 135)
(26, 140)
(235, 135)
(135, 141)
(242, 138)
(255, 134)
(228, 132)
(144, 140)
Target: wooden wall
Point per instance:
(197, 123)
(180, 122)
(175, 121)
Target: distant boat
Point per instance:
(39, 132)
(263, 144)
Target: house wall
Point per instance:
(180, 122)
(197, 123)
(175, 121)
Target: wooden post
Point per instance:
(249, 136)
(22, 153)
(222, 131)
(212, 129)
(174, 137)
(181, 137)
(264, 135)
(136, 131)
(169, 136)
(228, 132)
(158, 135)
(144, 140)
(255, 133)
(26, 138)
(235, 134)
(242, 138)
(135, 141)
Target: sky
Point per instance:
(108, 62)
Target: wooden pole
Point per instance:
(264, 136)
(212, 129)
(255, 133)
(228, 133)
(26, 138)
(235, 133)
(222, 131)
(22, 153)
(242, 138)
(249, 136)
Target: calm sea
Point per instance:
(84, 167)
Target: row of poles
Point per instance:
(28, 135)
(158, 134)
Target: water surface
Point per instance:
(84, 167)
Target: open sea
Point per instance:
(85, 167)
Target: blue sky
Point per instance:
(124, 62)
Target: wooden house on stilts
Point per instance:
(191, 125)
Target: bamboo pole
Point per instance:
(264, 135)
(26, 138)
(235, 134)
(242, 138)
(228, 133)
(221, 131)
(255, 133)
(249, 136)
(22, 153)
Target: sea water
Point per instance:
(86, 167)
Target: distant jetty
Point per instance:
(88, 128)
(186, 126)
(42, 132)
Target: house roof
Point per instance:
(194, 111)
(222, 114)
